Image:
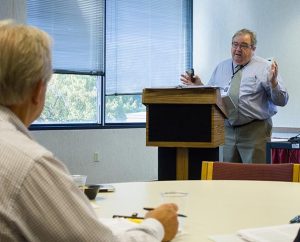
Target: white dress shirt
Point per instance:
(40, 202)
(257, 98)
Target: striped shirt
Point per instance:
(40, 202)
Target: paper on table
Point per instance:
(121, 224)
(280, 233)
(182, 86)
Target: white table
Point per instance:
(213, 207)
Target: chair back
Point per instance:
(241, 171)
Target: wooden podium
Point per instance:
(186, 119)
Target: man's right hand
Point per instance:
(166, 214)
(186, 79)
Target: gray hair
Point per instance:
(244, 32)
(25, 59)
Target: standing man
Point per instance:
(254, 88)
(39, 200)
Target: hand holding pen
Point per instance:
(166, 214)
(189, 78)
(178, 214)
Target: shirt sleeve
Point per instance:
(150, 230)
(50, 207)
(279, 95)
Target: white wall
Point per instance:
(276, 23)
(123, 153)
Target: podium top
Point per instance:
(184, 95)
(189, 87)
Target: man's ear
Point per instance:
(38, 92)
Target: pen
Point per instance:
(179, 215)
(128, 217)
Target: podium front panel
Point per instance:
(179, 123)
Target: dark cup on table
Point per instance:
(91, 191)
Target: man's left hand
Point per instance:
(273, 74)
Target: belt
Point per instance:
(241, 125)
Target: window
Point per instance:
(70, 99)
(77, 28)
(106, 52)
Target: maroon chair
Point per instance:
(240, 171)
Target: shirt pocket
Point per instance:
(250, 84)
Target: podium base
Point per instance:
(167, 162)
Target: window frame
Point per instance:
(102, 124)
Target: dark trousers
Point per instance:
(247, 143)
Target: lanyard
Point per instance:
(241, 67)
(233, 73)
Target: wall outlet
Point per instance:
(96, 157)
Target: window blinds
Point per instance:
(77, 28)
(148, 43)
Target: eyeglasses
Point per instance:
(243, 46)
